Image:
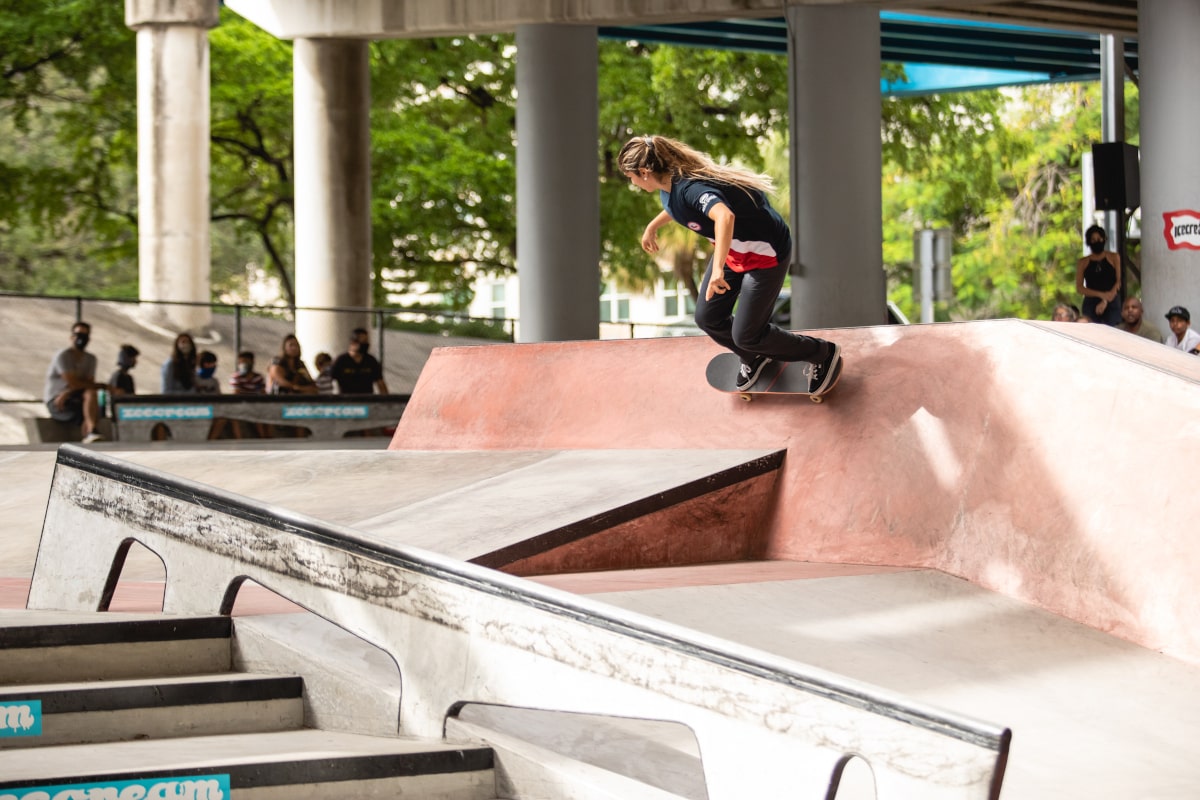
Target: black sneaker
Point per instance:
(821, 372)
(750, 371)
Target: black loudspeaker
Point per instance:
(1115, 173)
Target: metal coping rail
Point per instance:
(546, 599)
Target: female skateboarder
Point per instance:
(751, 248)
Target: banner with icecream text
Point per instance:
(1181, 229)
(198, 787)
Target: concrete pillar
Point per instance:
(333, 190)
(836, 163)
(1170, 161)
(173, 157)
(558, 192)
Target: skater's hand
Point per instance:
(650, 240)
(716, 285)
(1103, 304)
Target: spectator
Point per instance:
(323, 363)
(1064, 313)
(121, 382)
(245, 380)
(1098, 279)
(71, 393)
(1182, 337)
(206, 374)
(357, 371)
(179, 371)
(1132, 321)
(287, 374)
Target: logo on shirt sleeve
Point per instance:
(707, 199)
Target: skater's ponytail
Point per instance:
(661, 155)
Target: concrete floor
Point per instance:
(1092, 715)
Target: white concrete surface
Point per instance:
(765, 727)
(1092, 716)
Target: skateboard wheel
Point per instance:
(747, 397)
(816, 398)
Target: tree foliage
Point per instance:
(1011, 191)
(250, 179)
(67, 148)
(443, 159)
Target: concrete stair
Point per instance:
(105, 701)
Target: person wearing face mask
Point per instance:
(1098, 279)
(71, 393)
(357, 371)
(206, 372)
(179, 371)
(245, 380)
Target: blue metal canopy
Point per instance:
(938, 54)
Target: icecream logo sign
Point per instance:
(201, 787)
(1181, 229)
(21, 718)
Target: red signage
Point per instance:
(1181, 229)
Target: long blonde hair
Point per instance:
(662, 155)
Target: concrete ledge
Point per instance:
(585, 757)
(47, 429)
(157, 708)
(196, 417)
(510, 642)
(35, 651)
(259, 760)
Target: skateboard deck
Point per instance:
(778, 377)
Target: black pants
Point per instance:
(750, 332)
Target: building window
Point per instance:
(676, 301)
(499, 305)
(614, 305)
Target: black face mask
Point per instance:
(363, 347)
(1096, 247)
(81, 341)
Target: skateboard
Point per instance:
(778, 377)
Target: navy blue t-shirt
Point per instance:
(761, 238)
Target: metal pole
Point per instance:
(379, 334)
(237, 329)
(1112, 129)
(923, 244)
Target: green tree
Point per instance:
(444, 162)
(251, 154)
(67, 148)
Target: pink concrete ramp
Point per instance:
(1049, 462)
